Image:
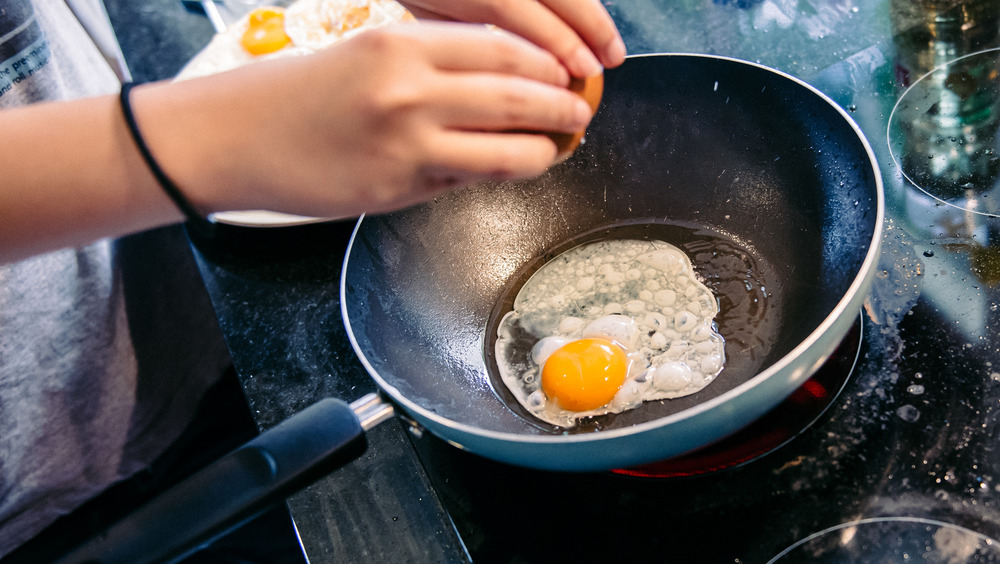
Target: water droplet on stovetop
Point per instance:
(908, 413)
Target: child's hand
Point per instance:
(580, 33)
(389, 118)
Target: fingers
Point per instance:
(471, 48)
(494, 156)
(593, 25)
(493, 102)
(469, 78)
(488, 93)
(580, 33)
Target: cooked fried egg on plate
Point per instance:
(305, 26)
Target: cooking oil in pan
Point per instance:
(742, 282)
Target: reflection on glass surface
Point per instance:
(893, 539)
(942, 132)
(930, 33)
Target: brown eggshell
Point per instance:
(591, 89)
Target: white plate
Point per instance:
(308, 23)
(263, 218)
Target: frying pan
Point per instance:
(769, 187)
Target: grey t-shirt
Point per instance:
(104, 350)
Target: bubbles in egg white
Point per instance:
(644, 295)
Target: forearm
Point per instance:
(437, 107)
(71, 175)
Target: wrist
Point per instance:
(181, 125)
(198, 222)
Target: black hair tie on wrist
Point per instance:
(197, 222)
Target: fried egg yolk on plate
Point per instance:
(265, 31)
(606, 326)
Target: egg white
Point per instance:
(643, 295)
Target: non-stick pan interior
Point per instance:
(684, 147)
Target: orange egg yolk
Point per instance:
(266, 32)
(584, 374)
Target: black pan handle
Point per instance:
(235, 488)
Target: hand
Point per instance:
(386, 119)
(580, 33)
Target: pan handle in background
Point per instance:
(240, 485)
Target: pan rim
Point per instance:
(859, 284)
